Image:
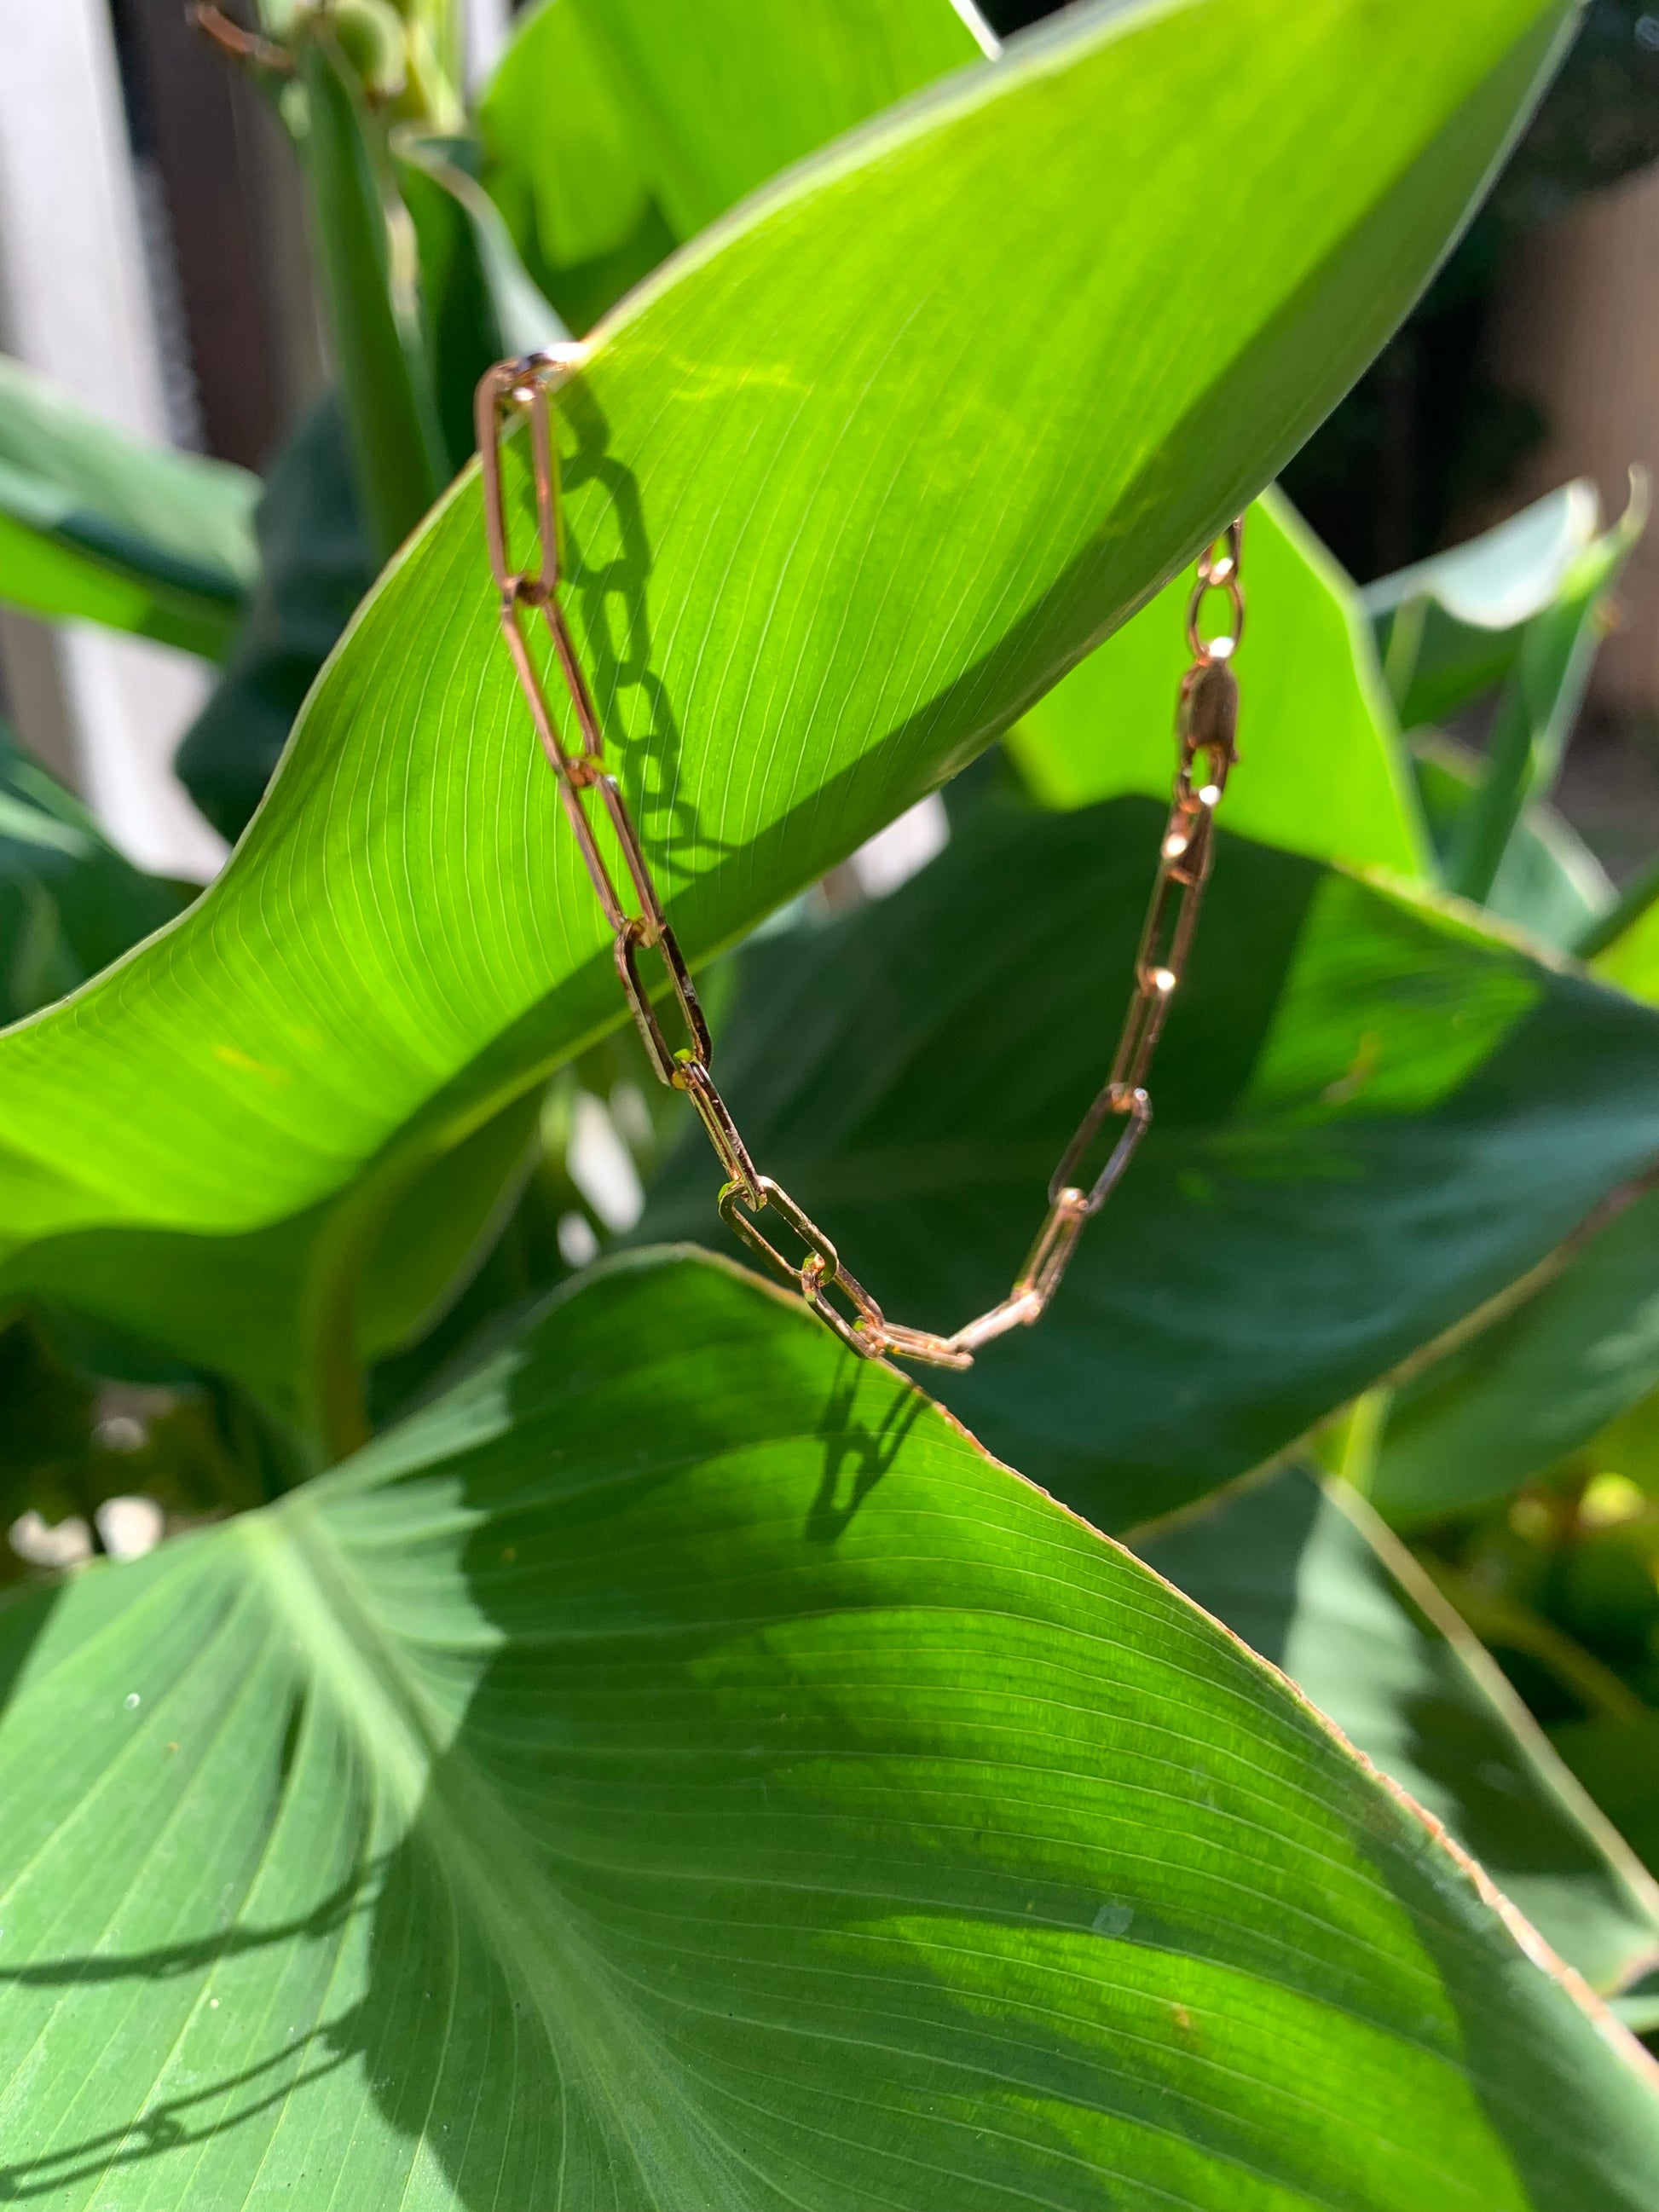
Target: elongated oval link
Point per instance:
(721, 1131)
(926, 1345)
(666, 1060)
(1051, 1254)
(1137, 1110)
(1218, 571)
(1206, 721)
(1012, 1312)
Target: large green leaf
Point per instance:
(616, 129)
(315, 563)
(70, 903)
(97, 527)
(849, 487)
(1326, 772)
(1370, 1117)
(680, 1770)
(1310, 1577)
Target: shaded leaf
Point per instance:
(1310, 1578)
(1536, 1384)
(702, 1794)
(315, 563)
(1370, 1117)
(59, 1457)
(1618, 1762)
(386, 400)
(95, 525)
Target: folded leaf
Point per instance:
(97, 527)
(1370, 1118)
(680, 1769)
(1310, 1578)
(1449, 628)
(848, 488)
(1327, 775)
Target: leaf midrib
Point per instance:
(471, 1838)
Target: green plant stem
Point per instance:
(1404, 647)
(1526, 746)
(1505, 1622)
(1632, 902)
(1488, 820)
(1358, 1439)
(390, 414)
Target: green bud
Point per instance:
(370, 35)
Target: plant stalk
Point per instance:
(391, 417)
(1627, 909)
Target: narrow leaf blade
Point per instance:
(97, 527)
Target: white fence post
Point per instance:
(75, 303)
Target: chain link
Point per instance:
(1205, 725)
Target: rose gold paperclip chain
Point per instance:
(1207, 720)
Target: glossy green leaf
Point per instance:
(1370, 1117)
(315, 563)
(97, 527)
(1311, 1579)
(679, 1769)
(836, 519)
(70, 903)
(617, 129)
(1325, 772)
(1542, 1380)
(1449, 628)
